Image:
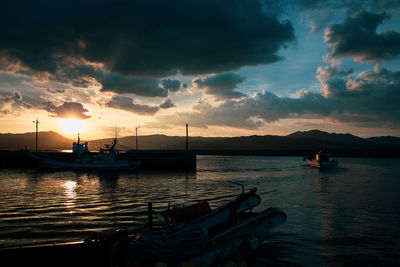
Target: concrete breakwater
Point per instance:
(150, 159)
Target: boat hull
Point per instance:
(200, 246)
(322, 164)
(49, 163)
(222, 214)
(253, 229)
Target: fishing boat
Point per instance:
(206, 239)
(82, 158)
(322, 161)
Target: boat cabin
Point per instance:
(77, 147)
(322, 156)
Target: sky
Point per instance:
(226, 68)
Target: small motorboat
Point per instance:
(207, 240)
(85, 160)
(321, 161)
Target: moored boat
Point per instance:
(84, 159)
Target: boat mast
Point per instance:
(115, 140)
(37, 123)
(79, 140)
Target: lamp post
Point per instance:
(187, 137)
(37, 123)
(137, 146)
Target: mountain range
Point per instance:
(307, 140)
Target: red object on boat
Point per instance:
(179, 214)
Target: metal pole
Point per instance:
(137, 146)
(36, 143)
(187, 137)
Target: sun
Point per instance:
(72, 126)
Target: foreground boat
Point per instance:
(84, 159)
(322, 161)
(209, 238)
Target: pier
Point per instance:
(150, 159)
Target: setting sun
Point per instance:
(72, 126)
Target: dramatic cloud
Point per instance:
(368, 99)
(10, 104)
(140, 86)
(167, 104)
(127, 104)
(221, 85)
(319, 13)
(171, 84)
(83, 74)
(357, 37)
(68, 110)
(371, 98)
(143, 38)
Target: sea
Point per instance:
(344, 216)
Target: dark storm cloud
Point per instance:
(127, 104)
(141, 86)
(68, 110)
(167, 103)
(369, 99)
(171, 84)
(357, 37)
(143, 38)
(318, 13)
(221, 85)
(83, 74)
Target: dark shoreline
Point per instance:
(383, 153)
(182, 160)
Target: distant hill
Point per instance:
(307, 140)
(300, 141)
(46, 141)
(155, 142)
(385, 140)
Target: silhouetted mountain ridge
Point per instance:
(306, 140)
(46, 141)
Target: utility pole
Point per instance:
(137, 146)
(187, 137)
(37, 123)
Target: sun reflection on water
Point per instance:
(70, 194)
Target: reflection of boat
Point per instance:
(322, 161)
(83, 159)
(201, 237)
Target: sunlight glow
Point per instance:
(72, 126)
(70, 194)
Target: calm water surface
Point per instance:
(349, 215)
